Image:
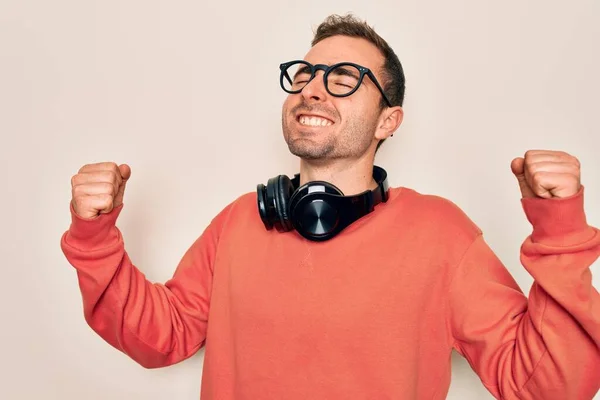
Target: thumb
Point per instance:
(125, 171)
(518, 169)
(125, 175)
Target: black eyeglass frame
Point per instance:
(327, 69)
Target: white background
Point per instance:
(186, 93)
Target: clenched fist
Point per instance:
(547, 174)
(98, 188)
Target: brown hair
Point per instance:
(392, 72)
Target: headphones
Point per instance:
(317, 210)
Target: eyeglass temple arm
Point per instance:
(372, 76)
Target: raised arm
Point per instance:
(154, 324)
(546, 345)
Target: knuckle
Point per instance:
(114, 179)
(79, 203)
(78, 190)
(537, 178)
(107, 200)
(109, 189)
(105, 176)
(103, 201)
(112, 166)
(536, 170)
(117, 173)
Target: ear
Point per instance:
(390, 120)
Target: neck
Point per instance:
(350, 176)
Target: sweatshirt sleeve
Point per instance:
(155, 324)
(544, 346)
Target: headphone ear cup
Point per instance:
(314, 210)
(263, 209)
(266, 204)
(283, 191)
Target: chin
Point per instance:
(310, 149)
(309, 143)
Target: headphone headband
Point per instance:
(317, 210)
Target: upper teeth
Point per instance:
(314, 121)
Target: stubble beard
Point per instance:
(352, 142)
(305, 147)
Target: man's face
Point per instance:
(351, 121)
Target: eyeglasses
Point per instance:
(340, 79)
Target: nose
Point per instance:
(315, 89)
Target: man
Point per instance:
(360, 296)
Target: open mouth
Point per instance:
(313, 120)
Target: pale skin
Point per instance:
(98, 188)
(346, 147)
(357, 121)
(547, 174)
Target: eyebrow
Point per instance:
(303, 70)
(345, 72)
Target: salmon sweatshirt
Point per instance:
(373, 313)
